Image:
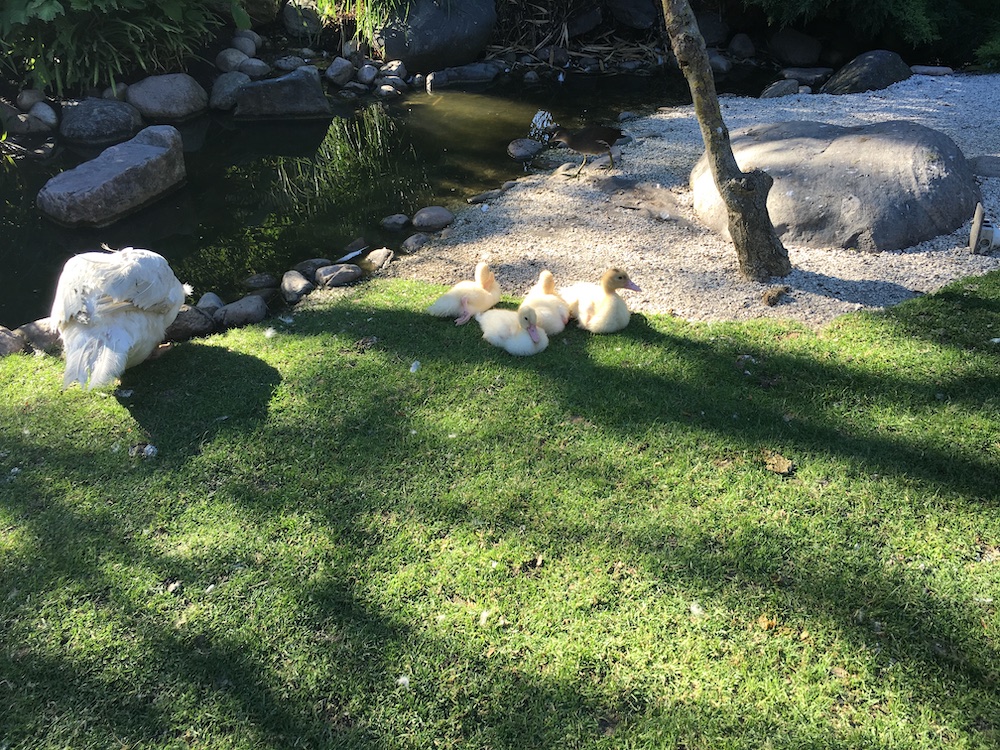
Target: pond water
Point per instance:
(260, 198)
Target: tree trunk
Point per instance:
(758, 249)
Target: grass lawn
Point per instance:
(598, 546)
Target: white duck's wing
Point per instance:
(95, 283)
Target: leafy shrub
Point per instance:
(75, 44)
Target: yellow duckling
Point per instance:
(516, 331)
(597, 307)
(112, 310)
(551, 309)
(467, 298)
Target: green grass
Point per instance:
(584, 548)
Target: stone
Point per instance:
(426, 35)
(339, 274)
(635, 14)
(168, 98)
(524, 149)
(224, 89)
(340, 71)
(484, 197)
(807, 76)
(116, 92)
(28, 98)
(260, 281)
(191, 322)
(246, 311)
(713, 29)
(395, 81)
(870, 71)
(414, 242)
(379, 258)
(583, 22)
(385, 91)
(295, 95)
(11, 342)
(308, 267)
(784, 87)
(288, 63)
(99, 122)
(931, 70)
(719, 62)
(432, 218)
(261, 12)
(879, 187)
(41, 336)
(475, 73)
(120, 181)
(792, 47)
(255, 68)
(394, 68)
(295, 286)
(395, 223)
(230, 59)
(45, 114)
(252, 35)
(741, 47)
(367, 74)
(554, 55)
(210, 301)
(986, 165)
(245, 45)
(301, 19)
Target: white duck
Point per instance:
(597, 307)
(467, 298)
(516, 331)
(112, 310)
(551, 309)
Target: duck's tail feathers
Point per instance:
(94, 361)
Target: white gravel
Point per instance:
(578, 227)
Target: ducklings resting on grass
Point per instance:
(551, 309)
(516, 331)
(467, 298)
(597, 307)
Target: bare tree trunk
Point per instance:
(758, 249)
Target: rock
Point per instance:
(43, 112)
(254, 68)
(483, 72)
(224, 89)
(24, 124)
(295, 286)
(584, 21)
(11, 342)
(807, 76)
(780, 88)
(385, 91)
(298, 94)
(247, 311)
(301, 19)
(395, 223)
(244, 44)
(120, 181)
(230, 59)
(741, 47)
(210, 301)
(414, 242)
(713, 29)
(426, 35)
(432, 218)
(168, 98)
(261, 12)
(931, 70)
(252, 35)
(554, 55)
(288, 63)
(871, 71)
(41, 336)
(986, 165)
(367, 74)
(380, 258)
(395, 82)
(99, 122)
(485, 197)
(191, 322)
(339, 274)
(792, 47)
(394, 68)
(116, 92)
(877, 187)
(308, 267)
(260, 281)
(524, 149)
(340, 71)
(28, 98)
(719, 62)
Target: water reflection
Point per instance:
(263, 197)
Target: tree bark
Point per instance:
(758, 249)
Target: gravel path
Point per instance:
(578, 227)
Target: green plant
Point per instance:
(369, 16)
(70, 46)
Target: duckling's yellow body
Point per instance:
(112, 310)
(468, 298)
(597, 307)
(551, 309)
(516, 331)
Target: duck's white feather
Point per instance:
(551, 309)
(112, 310)
(468, 298)
(597, 307)
(515, 331)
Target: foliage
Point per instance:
(595, 547)
(70, 46)
(988, 53)
(369, 16)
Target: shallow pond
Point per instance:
(260, 198)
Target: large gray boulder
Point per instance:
(871, 71)
(168, 98)
(427, 35)
(295, 95)
(98, 122)
(120, 181)
(885, 186)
